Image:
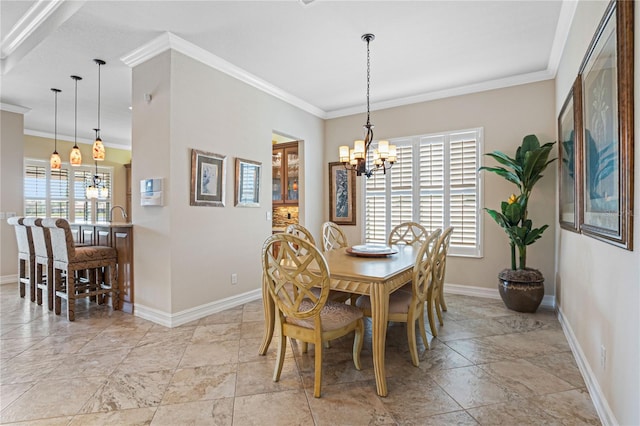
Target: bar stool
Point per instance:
(43, 260)
(69, 258)
(26, 256)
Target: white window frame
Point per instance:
(71, 199)
(447, 137)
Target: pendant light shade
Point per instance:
(98, 147)
(75, 158)
(55, 161)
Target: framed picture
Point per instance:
(607, 90)
(342, 194)
(208, 171)
(247, 183)
(570, 159)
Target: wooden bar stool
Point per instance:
(26, 257)
(70, 259)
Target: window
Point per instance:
(61, 193)
(435, 182)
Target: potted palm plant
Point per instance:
(521, 288)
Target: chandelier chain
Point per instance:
(368, 80)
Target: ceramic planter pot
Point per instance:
(521, 290)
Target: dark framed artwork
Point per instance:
(570, 159)
(607, 96)
(247, 183)
(342, 194)
(208, 178)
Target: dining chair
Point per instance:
(300, 314)
(300, 232)
(26, 257)
(439, 269)
(100, 261)
(407, 233)
(409, 307)
(333, 237)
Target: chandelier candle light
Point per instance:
(75, 158)
(356, 159)
(98, 147)
(55, 161)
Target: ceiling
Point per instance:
(423, 50)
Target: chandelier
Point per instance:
(356, 158)
(98, 189)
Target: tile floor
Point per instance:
(488, 366)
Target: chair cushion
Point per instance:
(399, 302)
(333, 315)
(91, 253)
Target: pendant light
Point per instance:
(55, 161)
(98, 147)
(356, 158)
(75, 158)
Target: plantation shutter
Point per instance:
(375, 208)
(81, 205)
(401, 187)
(59, 193)
(463, 186)
(431, 208)
(35, 190)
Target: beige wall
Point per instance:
(599, 284)
(506, 115)
(40, 148)
(11, 198)
(185, 255)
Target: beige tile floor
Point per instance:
(488, 366)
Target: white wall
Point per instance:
(11, 198)
(599, 284)
(506, 115)
(185, 255)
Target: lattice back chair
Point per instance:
(333, 237)
(26, 257)
(409, 306)
(43, 260)
(439, 269)
(300, 232)
(408, 233)
(100, 261)
(301, 314)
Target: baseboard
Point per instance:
(599, 401)
(490, 293)
(192, 314)
(9, 279)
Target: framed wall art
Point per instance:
(607, 91)
(342, 194)
(570, 156)
(247, 183)
(208, 171)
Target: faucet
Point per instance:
(124, 214)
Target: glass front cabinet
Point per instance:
(285, 174)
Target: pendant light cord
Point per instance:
(368, 80)
(75, 123)
(55, 124)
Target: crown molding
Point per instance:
(14, 108)
(68, 138)
(567, 12)
(27, 24)
(168, 41)
(501, 83)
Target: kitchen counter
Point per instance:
(113, 224)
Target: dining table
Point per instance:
(368, 274)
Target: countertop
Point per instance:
(105, 224)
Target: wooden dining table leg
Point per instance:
(379, 316)
(269, 318)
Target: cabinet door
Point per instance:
(103, 236)
(277, 160)
(292, 173)
(122, 239)
(87, 235)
